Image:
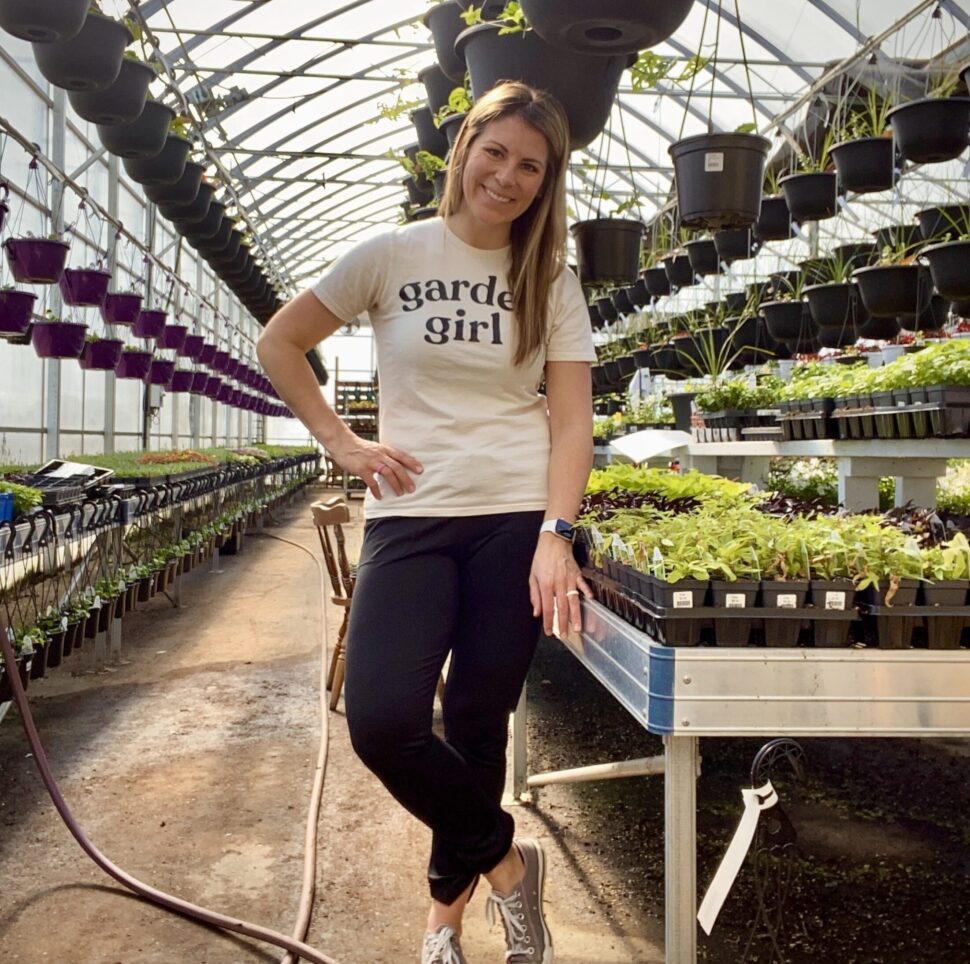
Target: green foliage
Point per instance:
(872, 120)
(739, 393)
(817, 161)
(651, 68)
(25, 497)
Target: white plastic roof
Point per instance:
(306, 146)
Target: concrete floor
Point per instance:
(189, 764)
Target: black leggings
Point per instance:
(427, 587)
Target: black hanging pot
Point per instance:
(621, 302)
(856, 253)
(931, 129)
(43, 21)
(788, 321)
(596, 320)
(607, 250)
(879, 328)
(193, 212)
(451, 125)
(120, 103)
(240, 270)
(585, 84)
(227, 253)
(445, 23)
(783, 282)
(437, 85)
(205, 228)
(946, 219)
(932, 318)
(144, 137)
(950, 268)
(961, 308)
(430, 138)
(830, 305)
(166, 167)
(91, 60)
(735, 302)
(811, 197)
(680, 272)
(607, 309)
(217, 243)
(837, 337)
(736, 244)
(638, 293)
(607, 26)
(702, 254)
(774, 220)
(865, 165)
(718, 179)
(898, 236)
(656, 281)
(184, 191)
(894, 290)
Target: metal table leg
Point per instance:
(680, 849)
(520, 763)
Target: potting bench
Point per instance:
(685, 693)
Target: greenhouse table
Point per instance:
(684, 693)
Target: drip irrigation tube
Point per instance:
(294, 946)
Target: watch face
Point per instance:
(564, 529)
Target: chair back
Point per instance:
(329, 517)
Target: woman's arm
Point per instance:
(554, 570)
(296, 328)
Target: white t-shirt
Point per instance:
(449, 394)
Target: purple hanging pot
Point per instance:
(102, 355)
(224, 394)
(207, 354)
(181, 381)
(213, 386)
(160, 372)
(120, 307)
(36, 260)
(58, 339)
(191, 347)
(84, 286)
(150, 323)
(172, 337)
(16, 308)
(199, 380)
(134, 364)
(220, 362)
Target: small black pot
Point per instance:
(681, 403)
(931, 318)
(680, 272)
(736, 244)
(438, 86)
(43, 23)
(91, 60)
(607, 309)
(657, 281)
(811, 197)
(638, 294)
(830, 305)
(445, 23)
(121, 102)
(898, 235)
(607, 250)
(901, 290)
(702, 253)
(788, 321)
(622, 301)
(184, 191)
(192, 213)
(774, 220)
(204, 228)
(166, 167)
(451, 125)
(950, 268)
(931, 129)
(866, 165)
(936, 223)
(144, 137)
(430, 138)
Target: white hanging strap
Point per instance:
(754, 802)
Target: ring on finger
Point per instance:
(380, 468)
(573, 592)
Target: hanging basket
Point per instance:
(218, 242)
(950, 268)
(774, 219)
(856, 253)
(830, 305)
(894, 290)
(191, 347)
(607, 26)
(607, 250)
(160, 372)
(181, 382)
(120, 307)
(657, 282)
(121, 102)
(166, 167)
(102, 355)
(718, 179)
(865, 165)
(84, 286)
(879, 328)
(206, 353)
(230, 251)
(183, 192)
(736, 244)
(91, 60)
(150, 323)
(451, 125)
(702, 254)
(16, 311)
(906, 236)
(134, 364)
(585, 84)
(811, 197)
(58, 339)
(837, 337)
(213, 386)
(445, 23)
(679, 271)
(186, 216)
(220, 362)
(430, 138)
(143, 137)
(43, 21)
(931, 129)
(932, 318)
(206, 227)
(36, 260)
(172, 337)
(946, 219)
(788, 321)
(437, 85)
(199, 381)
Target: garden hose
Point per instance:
(295, 948)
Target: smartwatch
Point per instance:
(558, 527)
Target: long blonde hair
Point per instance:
(538, 236)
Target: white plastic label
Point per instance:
(683, 599)
(713, 161)
(835, 600)
(735, 600)
(787, 601)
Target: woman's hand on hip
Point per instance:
(373, 462)
(556, 582)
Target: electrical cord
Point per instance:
(294, 946)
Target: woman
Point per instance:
(471, 490)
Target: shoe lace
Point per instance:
(512, 922)
(439, 947)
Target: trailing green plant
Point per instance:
(650, 68)
(870, 120)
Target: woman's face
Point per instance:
(504, 171)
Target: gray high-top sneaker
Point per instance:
(527, 939)
(442, 947)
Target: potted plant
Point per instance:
(933, 128)
(608, 250)
(585, 84)
(43, 21)
(774, 218)
(172, 337)
(897, 286)
(864, 154)
(101, 354)
(949, 259)
(141, 138)
(160, 372)
(134, 363)
(183, 191)
(830, 299)
(16, 310)
(54, 338)
(90, 60)
(204, 228)
(120, 307)
(166, 167)
(122, 101)
(736, 244)
(437, 84)
(36, 260)
(430, 137)
(812, 192)
(150, 323)
(186, 216)
(445, 23)
(787, 316)
(84, 287)
(703, 257)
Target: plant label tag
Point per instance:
(835, 600)
(713, 162)
(684, 599)
(787, 600)
(597, 537)
(63, 624)
(735, 600)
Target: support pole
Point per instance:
(52, 408)
(680, 849)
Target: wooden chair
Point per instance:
(329, 517)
